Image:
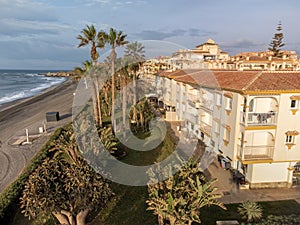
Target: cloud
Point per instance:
(195, 32)
(158, 35)
(16, 27)
(242, 43)
(27, 10)
(161, 35)
(114, 4)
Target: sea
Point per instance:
(19, 84)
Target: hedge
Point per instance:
(10, 197)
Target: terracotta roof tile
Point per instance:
(276, 81)
(240, 80)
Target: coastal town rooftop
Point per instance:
(239, 81)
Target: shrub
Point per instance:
(9, 198)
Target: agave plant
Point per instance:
(250, 211)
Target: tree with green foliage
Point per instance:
(80, 71)
(136, 53)
(64, 185)
(179, 199)
(277, 42)
(68, 191)
(90, 37)
(251, 211)
(115, 39)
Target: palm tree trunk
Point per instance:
(124, 105)
(98, 103)
(95, 102)
(113, 57)
(134, 96)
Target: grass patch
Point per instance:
(129, 205)
(209, 215)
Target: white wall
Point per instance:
(269, 172)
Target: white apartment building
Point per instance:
(265, 61)
(251, 119)
(207, 55)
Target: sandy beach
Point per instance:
(30, 114)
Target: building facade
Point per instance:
(251, 119)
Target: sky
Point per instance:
(41, 34)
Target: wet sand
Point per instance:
(30, 114)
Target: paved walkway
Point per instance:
(232, 194)
(230, 191)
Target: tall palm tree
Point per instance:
(115, 39)
(90, 37)
(136, 53)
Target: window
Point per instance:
(217, 127)
(226, 134)
(289, 139)
(251, 106)
(228, 103)
(202, 135)
(219, 100)
(294, 104)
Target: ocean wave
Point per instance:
(13, 97)
(47, 85)
(29, 92)
(32, 74)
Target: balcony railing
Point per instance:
(261, 152)
(194, 104)
(208, 104)
(206, 128)
(191, 117)
(260, 119)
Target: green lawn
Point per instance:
(129, 204)
(210, 215)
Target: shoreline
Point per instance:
(8, 105)
(30, 113)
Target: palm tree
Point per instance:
(136, 52)
(90, 37)
(180, 198)
(250, 210)
(115, 39)
(81, 71)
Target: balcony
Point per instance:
(194, 104)
(256, 153)
(260, 119)
(193, 118)
(205, 128)
(208, 104)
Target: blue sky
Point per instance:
(42, 34)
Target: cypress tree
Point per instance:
(277, 42)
